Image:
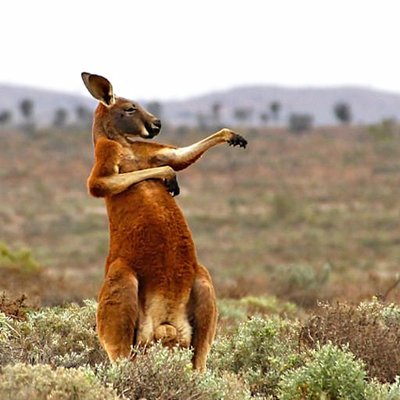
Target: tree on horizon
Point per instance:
(60, 117)
(5, 117)
(242, 114)
(26, 107)
(275, 108)
(342, 112)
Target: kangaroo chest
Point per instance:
(130, 161)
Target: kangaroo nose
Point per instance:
(156, 126)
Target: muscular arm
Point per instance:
(106, 179)
(117, 183)
(180, 158)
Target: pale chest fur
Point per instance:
(129, 161)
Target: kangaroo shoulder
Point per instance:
(107, 149)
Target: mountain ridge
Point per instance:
(368, 104)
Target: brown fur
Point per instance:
(154, 287)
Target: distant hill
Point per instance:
(46, 102)
(368, 105)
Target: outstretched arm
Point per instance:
(180, 158)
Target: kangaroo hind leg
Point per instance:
(203, 315)
(118, 310)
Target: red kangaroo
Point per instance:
(154, 287)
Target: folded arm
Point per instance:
(106, 179)
(117, 183)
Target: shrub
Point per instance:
(57, 336)
(383, 131)
(231, 313)
(301, 283)
(267, 306)
(284, 206)
(331, 373)
(371, 331)
(16, 309)
(300, 122)
(161, 373)
(234, 311)
(21, 259)
(66, 337)
(260, 351)
(40, 382)
(378, 391)
(6, 330)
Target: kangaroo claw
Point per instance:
(237, 140)
(173, 186)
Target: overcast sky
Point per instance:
(168, 49)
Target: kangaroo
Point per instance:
(154, 287)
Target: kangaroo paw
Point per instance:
(237, 140)
(172, 186)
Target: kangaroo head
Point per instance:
(119, 118)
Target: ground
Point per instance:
(300, 216)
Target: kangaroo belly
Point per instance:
(148, 230)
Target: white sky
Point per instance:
(167, 49)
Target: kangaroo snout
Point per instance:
(153, 128)
(156, 126)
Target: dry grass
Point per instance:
(14, 308)
(329, 197)
(371, 331)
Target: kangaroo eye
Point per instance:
(130, 109)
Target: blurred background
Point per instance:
(309, 211)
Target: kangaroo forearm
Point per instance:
(182, 157)
(114, 184)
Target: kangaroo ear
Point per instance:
(99, 87)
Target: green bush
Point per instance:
(371, 331)
(331, 373)
(301, 283)
(383, 131)
(260, 357)
(6, 329)
(21, 260)
(260, 351)
(267, 305)
(378, 391)
(388, 312)
(161, 373)
(59, 336)
(65, 337)
(234, 311)
(41, 382)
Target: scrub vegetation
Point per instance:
(300, 233)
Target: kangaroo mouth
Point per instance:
(130, 139)
(153, 129)
(147, 134)
(133, 138)
(148, 131)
